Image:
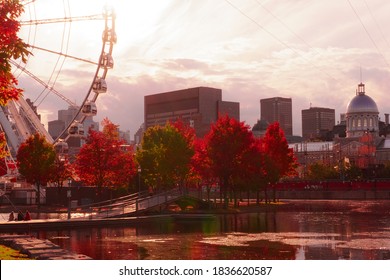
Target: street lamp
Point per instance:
(139, 187)
(139, 179)
(69, 195)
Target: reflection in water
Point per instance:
(322, 230)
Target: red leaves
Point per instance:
(230, 153)
(35, 159)
(104, 160)
(11, 47)
(280, 160)
(8, 90)
(226, 144)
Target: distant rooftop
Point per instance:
(312, 146)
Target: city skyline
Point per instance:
(315, 53)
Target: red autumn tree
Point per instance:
(11, 47)
(201, 166)
(61, 172)
(105, 160)
(185, 130)
(188, 132)
(279, 159)
(35, 160)
(256, 179)
(3, 148)
(228, 147)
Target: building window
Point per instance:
(365, 122)
(359, 122)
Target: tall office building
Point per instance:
(316, 122)
(277, 109)
(199, 107)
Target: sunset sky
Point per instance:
(315, 52)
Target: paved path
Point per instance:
(39, 249)
(47, 224)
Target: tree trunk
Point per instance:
(274, 192)
(236, 200)
(59, 189)
(225, 194)
(39, 194)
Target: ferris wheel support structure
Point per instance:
(19, 120)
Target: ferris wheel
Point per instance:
(71, 42)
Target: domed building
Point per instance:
(365, 145)
(362, 115)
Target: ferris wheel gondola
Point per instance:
(100, 85)
(76, 129)
(106, 61)
(61, 147)
(89, 109)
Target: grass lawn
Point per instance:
(7, 253)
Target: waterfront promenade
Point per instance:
(39, 249)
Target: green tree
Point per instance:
(319, 171)
(35, 160)
(384, 171)
(165, 157)
(353, 172)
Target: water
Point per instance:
(319, 230)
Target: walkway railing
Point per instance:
(130, 204)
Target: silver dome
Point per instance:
(362, 104)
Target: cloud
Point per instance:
(309, 51)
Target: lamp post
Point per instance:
(69, 195)
(139, 179)
(139, 186)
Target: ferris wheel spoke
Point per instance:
(64, 55)
(27, 2)
(45, 85)
(61, 20)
